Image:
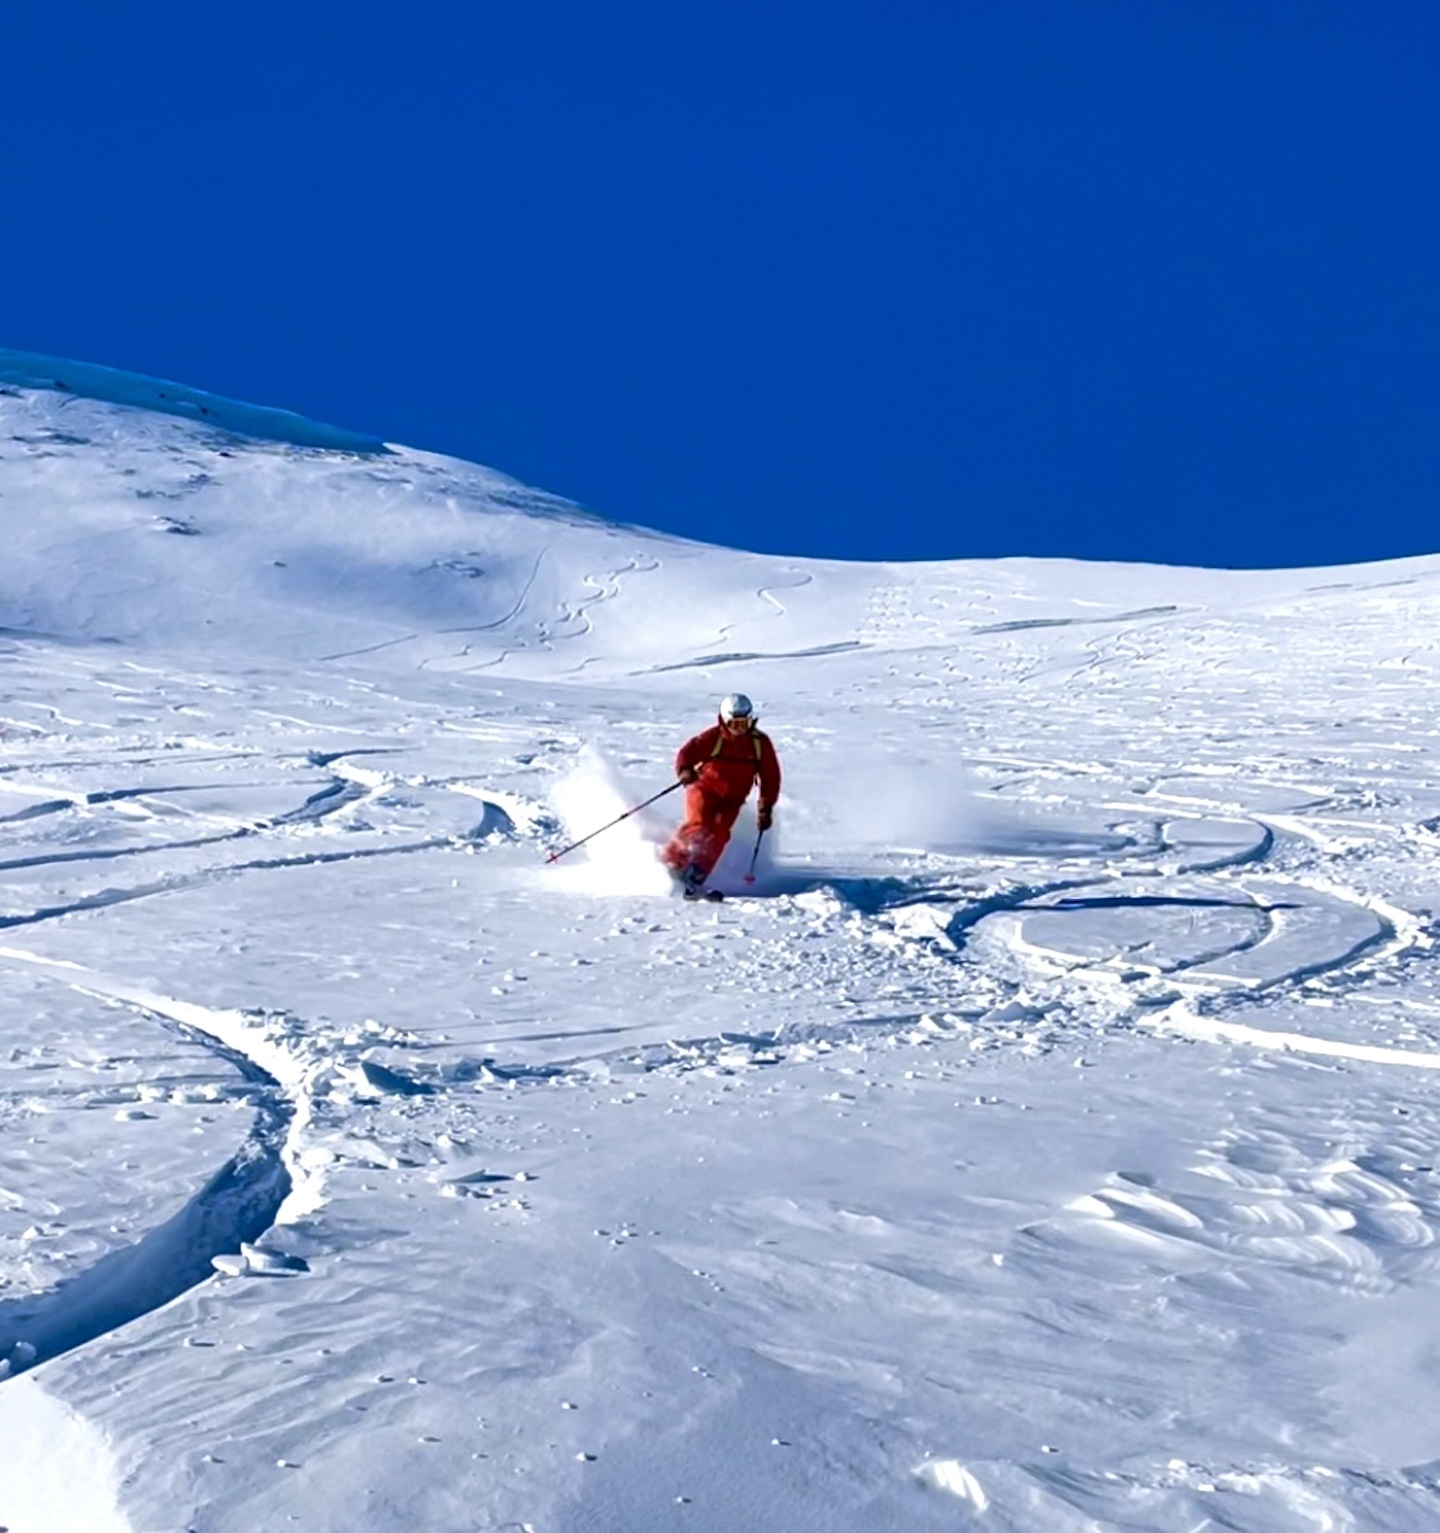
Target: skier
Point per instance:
(719, 767)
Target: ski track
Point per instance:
(235, 1222)
(267, 1180)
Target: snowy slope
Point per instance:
(1046, 1144)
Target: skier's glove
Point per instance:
(766, 817)
(687, 775)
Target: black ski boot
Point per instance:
(692, 883)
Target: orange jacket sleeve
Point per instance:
(697, 750)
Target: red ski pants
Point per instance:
(704, 832)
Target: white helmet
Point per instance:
(736, 706)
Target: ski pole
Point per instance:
(754, 858)
(636, 810)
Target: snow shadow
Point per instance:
(238, 1204)
(1028, 839)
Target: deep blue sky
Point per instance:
(1122, 279)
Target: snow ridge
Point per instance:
(114, 386)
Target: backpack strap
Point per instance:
(755, 738)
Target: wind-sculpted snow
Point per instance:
(114, 386)
(1042, 1140)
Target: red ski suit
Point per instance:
(726, 766)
